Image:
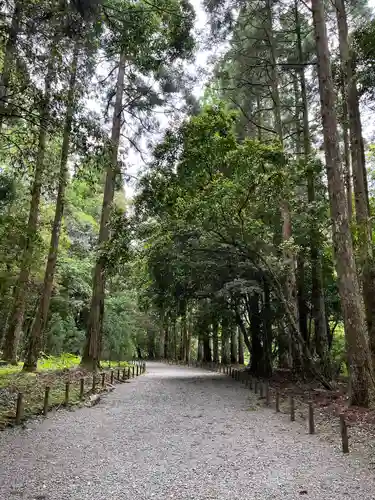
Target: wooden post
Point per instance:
(344, 435)
(261, 390)
(46, 399)
(133, 371)
(311, 418)
(103, 380)
(292, 409)
(67, 388)
(137, 370)
(144, 367)
(256, 386)
(267, 394)
(277, 401)
(93, 382)
(82, 388)
(112, 376)
(124, 374)
(19, 408)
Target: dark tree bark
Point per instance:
(91, 355)
(35, 337)
(241, 358)
(9, 59)
(256, 333)
(13, 332)
(317, 290)
(361, 375)
(215, 340)
(233, 346)
(365, 252)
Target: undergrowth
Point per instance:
(53, 372)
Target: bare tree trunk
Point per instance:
(256, 332)
(91, 355)
(361, 376)
(347, 165)
(215, 340)
(9, 59)
(39, 324)
(317, 291)
(225, 340)
(365, 253)
(293, 358)
(267, 331)
(241, 357)
(16, 318)
(233, 345)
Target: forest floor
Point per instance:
(53, 372)
(181, 433)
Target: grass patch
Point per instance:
(53, 372)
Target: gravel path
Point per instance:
(179, 433)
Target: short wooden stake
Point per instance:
(292, 409)
(256, 386)
(311, 418)
(93, 382)
(133, 371)
(344, 434)
(277, 402)
(129, 373)
(103, 379)
(118, 374)
(46, 400)
(137, 370)
(81, 388)
(67, 389)
(124, 374)
(112, 377)
(19, 408)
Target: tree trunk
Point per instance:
(206, 347)
(317, 291)
(9, 59)
(215, 340)
(255, 330)
(302, 306)
(267, 331)
(365, 253)
(16, 318)
(241, 357)
(166, 339)
(361, 376)
(233, 345)
(347, 164)
(290, 281)
(225, 336)
(35, 338)
(91, 356)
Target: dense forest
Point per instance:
(249, 238)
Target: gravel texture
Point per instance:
(180, 433)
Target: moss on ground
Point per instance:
(53, 372)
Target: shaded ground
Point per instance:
(178, 433)
(33, 385)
